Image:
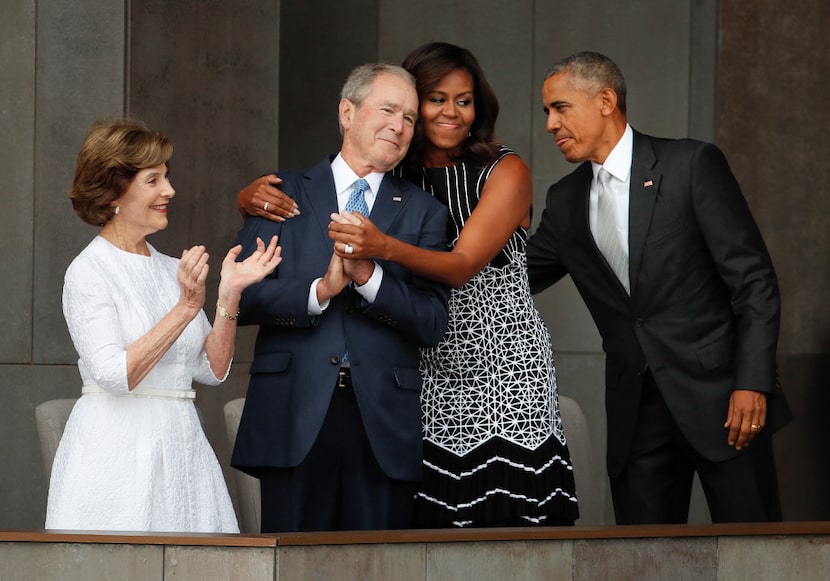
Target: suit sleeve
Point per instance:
(416, 305)
(544, 266)
(743, 263)
(274, 301)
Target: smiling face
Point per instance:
(377, 132)
(447, 114)
(586, 126)
(142, 209)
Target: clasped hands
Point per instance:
(344, 267)
(356, 236)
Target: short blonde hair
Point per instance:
(110, 157)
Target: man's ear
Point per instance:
(608, 101)
(345, 113)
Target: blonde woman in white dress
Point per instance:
(133, 456)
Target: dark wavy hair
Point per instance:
(429, 64)
(110, 157)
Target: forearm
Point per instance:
(220, 342)
(145, 353)
(453, 268)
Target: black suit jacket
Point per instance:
(297, 356)
(703, 314)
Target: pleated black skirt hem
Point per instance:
(497, 484)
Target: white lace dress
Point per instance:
(128, 463)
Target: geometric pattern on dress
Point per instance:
(493, 374)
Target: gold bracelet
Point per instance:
(224, 313)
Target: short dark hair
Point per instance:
(110, 157)
(592, 73)
(432, 62)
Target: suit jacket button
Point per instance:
(638, 322)
(335, 360)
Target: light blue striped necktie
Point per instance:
(357, 201)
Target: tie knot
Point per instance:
(360, 186)
(357, 201)
(603, 176)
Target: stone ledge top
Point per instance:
(421, 535)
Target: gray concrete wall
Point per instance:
(235, 85)
(774, 126)
(706, 557)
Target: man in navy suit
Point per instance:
(332, 422)
(659, 241)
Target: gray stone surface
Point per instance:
(80, 78)
(646, 559)
(498, 561)
(81, 562)
(203, 563)
(403, 562)
(775, 131)
(17, 125)
(773, 558)
(22, 479)
(320, 43)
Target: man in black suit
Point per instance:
(332, 420)
(661, 245)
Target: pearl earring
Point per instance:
(117, 209)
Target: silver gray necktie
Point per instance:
(608, 240)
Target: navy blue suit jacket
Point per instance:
(298, 356)
(704, 309)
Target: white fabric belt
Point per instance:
(141, 391)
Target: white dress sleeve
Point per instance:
(90, 313)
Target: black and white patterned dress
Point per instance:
(494, 449)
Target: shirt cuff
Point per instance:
(314, 307)
(369, 291)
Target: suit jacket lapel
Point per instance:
(580, 208)
(645, 185)
(322, 199)
(389, 202)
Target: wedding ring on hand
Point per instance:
(754, 427)
(348, 249)
(265, 207)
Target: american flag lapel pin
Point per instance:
(648, 184)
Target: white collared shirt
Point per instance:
(618, 164)
(344, 179)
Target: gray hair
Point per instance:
(592, 72)
(359, 84)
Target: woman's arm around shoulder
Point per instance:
(263, 198)
(503, 207)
